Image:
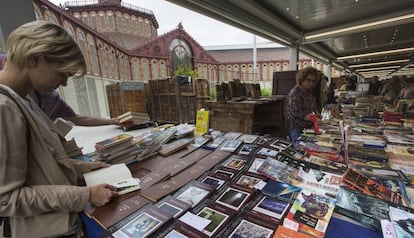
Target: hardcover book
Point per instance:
(170, 148)
(108, 143)
(272, 209)
(247, 149)
(363, 208)
(116, 210)
(218, 215)
(116, 175)
(249, 181)
(354, 180)
(255, 165)
(310, 213)
(231, 135)
(327, 165)
(194, 192)
(297, 163)
(230, 145)
(267, 152)
(215, 180)
(173, 206)
(280, 144)
(280, 171)
(283, 232)
(235, 162)
(321, 182)
(248, 139)
(403, 222)
(142, 223)
(248, 229)
(234, 197)
(283, 191)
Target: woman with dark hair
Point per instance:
(301, 103)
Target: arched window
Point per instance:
(93, 56)
(119, 21)
(94, 20)
(111, 21)
(102, 21)
(134, 25)
(127, 25)
(180, 54)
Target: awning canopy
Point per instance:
(368, 37)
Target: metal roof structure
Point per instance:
(367, 37)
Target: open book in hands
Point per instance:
(117, 175)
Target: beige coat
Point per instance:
(37, 181)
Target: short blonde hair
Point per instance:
(302, 74)
(49, 39)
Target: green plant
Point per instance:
(266, 92)
(186, 70)
(213, 94)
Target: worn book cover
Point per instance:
(116, 210)
(310, 213)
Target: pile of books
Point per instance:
(117, 149)
(135, 120)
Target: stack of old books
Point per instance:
(133, 117)
(71, 148)
(118, 149)
(134, 120)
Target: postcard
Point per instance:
(198, 222)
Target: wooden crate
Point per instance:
(252, 116)
(126, 96)
(177, 100)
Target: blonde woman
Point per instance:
(39, 191)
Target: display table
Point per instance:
(87, 136)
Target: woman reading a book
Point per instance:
(39, 194)
(301, 103)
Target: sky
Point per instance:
(198, 26)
